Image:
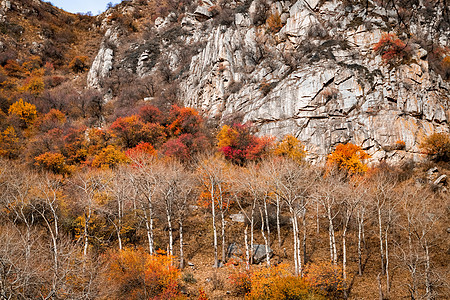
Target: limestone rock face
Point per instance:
(101, 67)
(317, 78)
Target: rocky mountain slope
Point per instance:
(305, 67)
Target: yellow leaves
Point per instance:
(290, 147)
(34, 85)
(349, 158)
(325, 276)
(278, 283)
(226, 136)
(25, 111)
(109, 157)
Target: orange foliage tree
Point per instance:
(79, 64)
(392, 49)
(135, 274)
(141, 149)
(326, 277)
(9, 143)
(437, 146)
(184, 120)
(278, 283)
(53, 162)
(348, 158)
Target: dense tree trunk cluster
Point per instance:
(54, 230)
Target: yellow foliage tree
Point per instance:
(53, 162)
(109, 157)
(349, 158)
(226, 136)
(34, 85)
(290, 147)
(25, 111)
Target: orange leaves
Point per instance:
(272, 283)
(9, 143)
(326, 277)
(437, 146)
(349, 158)
(79, 64)
(274, 22)
(392, 49)
(54, 162)
(134, 274)
(142, 149)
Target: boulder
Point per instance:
(260, 254)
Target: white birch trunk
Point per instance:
(278, 221)
(180, 222)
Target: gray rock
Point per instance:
(260, 254)
(240, 218)
(234, 251)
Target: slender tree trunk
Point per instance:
(380, 236)
(267, 222)
(317, 219)
(344, 260)
(388, 284)
(333, 251)
(252, 222)
(180, 222)
(294, 233)
(169, 223)
(223, 234)
(148, 229)
(266, 244)
(247, 254)
(299, 258)
(359, 244)
(87, 218)
(213, 212)
(304, 234)
(429, 294)
(380, 289)
(278, 221)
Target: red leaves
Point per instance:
(184, 120)
(392, 49)
(239, 145)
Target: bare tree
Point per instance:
(212, 178)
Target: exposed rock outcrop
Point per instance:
(317, 78)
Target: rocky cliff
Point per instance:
(305, 67)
